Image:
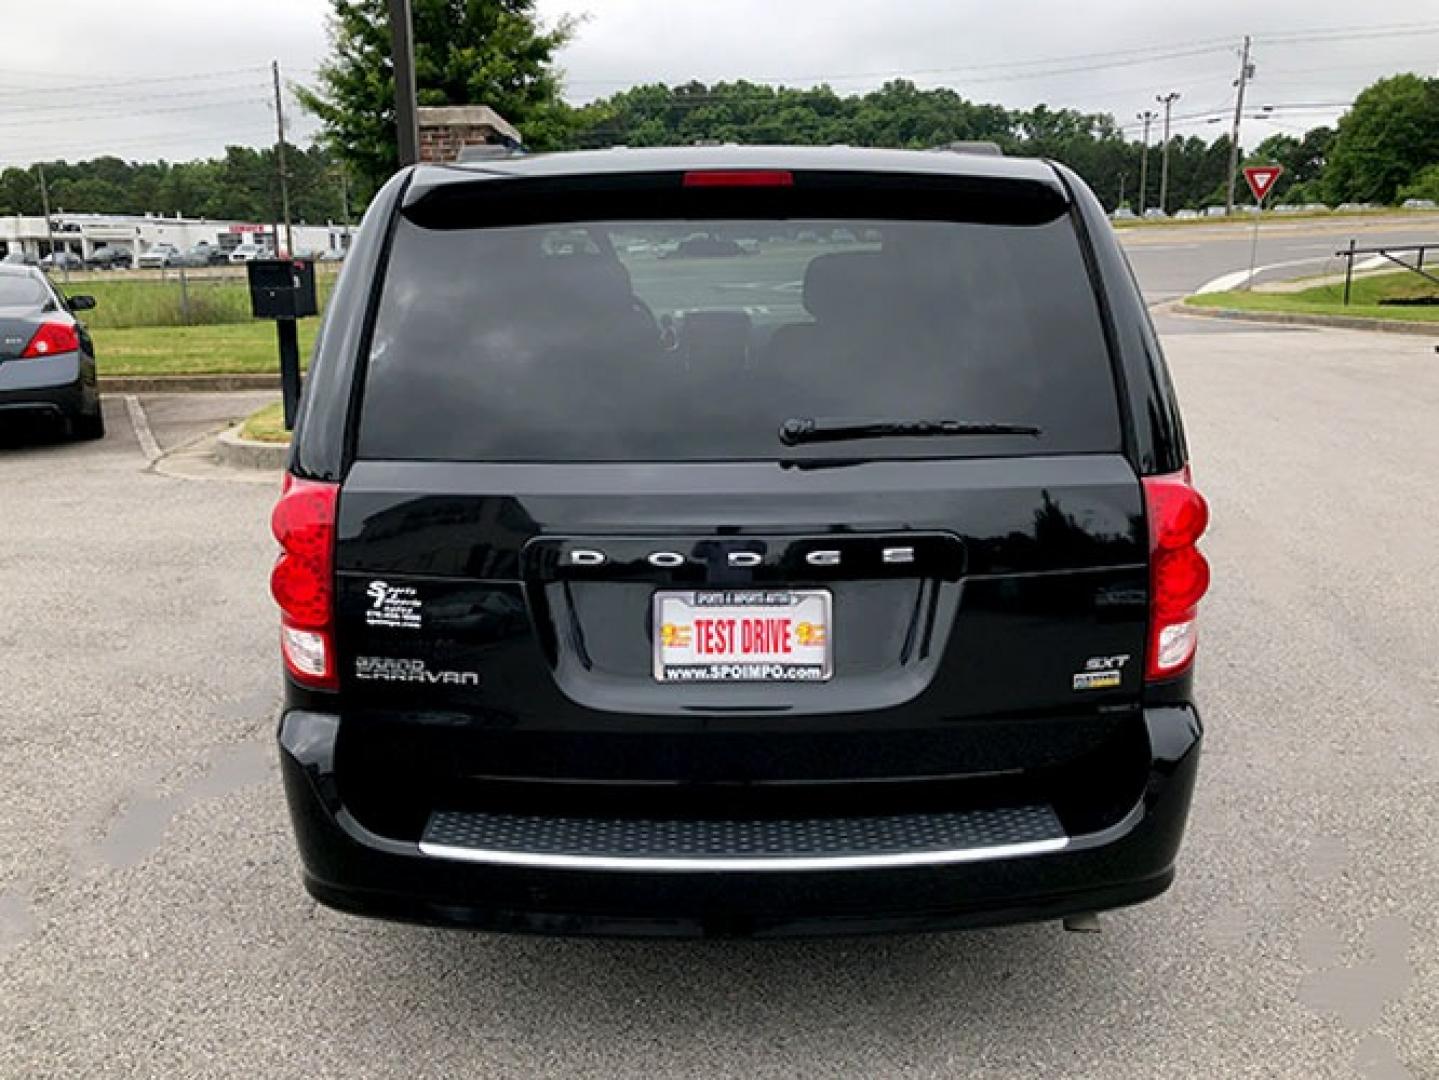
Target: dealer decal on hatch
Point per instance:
(394, 606)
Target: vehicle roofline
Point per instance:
(623, 160)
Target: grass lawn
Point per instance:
(1329, 299)
(1242, 218)
(267, 425)
(223, 349)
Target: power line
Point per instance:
(98, 149)
(1070, 65)
(1082, 62)
(86, 108)
(122, 110)
(53, 91)
(1349, 33)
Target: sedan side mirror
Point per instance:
(81, 303)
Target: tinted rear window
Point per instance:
(696, 340)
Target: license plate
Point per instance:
(743, 635)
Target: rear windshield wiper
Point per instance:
(808, 429)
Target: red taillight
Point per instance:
(303, 581)
(1178, 571)
(739, 178)
(52, 338)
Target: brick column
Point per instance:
(448, 129)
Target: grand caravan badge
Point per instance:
(401, 670)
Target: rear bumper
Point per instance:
(51, 385)
(350, 868)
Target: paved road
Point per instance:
(1175, 261)
(152, 924)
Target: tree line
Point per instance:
(242, 185)
(900, 114)
(1383, 150)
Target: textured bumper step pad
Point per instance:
(817, 843)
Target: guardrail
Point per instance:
(1388, 252)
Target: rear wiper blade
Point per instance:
(808, 429)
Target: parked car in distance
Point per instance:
(159, 256)
(825, 590)
(1186, 215)
(198, 255)
(62, 260)
(1418, 204)
(1155, 214)
(704, 247)
(17, 256)
(109, 258)
(247, 252)
(47, 360)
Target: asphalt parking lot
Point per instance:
(152, 922)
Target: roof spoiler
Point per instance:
(488, 152)
(973, 146)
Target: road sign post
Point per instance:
(1260, 179)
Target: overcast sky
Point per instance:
(181, 78)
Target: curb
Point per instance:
(1284, 318)
(185, 384)
(231, 449)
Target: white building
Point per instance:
(136, 234)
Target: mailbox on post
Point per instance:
(284, 290)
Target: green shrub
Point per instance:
(1423, 185)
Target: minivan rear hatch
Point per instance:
(756, 476)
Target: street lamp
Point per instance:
(1167, 100)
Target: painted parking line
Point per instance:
(141, 423)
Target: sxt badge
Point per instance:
(1101, 672)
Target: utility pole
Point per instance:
(1122, 178)
(345, 205)
(280, 165)
(1148, 116)
(45, 209)
(402, 51)
(1246, 72)
(1167, 100)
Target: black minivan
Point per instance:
(738, 541)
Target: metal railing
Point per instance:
(1390, 252)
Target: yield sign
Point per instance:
(1261, 179)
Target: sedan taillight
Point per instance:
(1178, 571)
(52, 338)
(303, 581)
